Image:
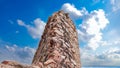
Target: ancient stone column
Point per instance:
(58, 47)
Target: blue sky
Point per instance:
(97, 23)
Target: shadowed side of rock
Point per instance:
(58, 47)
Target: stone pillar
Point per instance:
(59, 46)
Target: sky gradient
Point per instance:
(97, 23)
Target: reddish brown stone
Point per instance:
(61, 43)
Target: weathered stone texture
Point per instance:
(13, 64)
(58, 47)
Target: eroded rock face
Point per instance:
(58, 47)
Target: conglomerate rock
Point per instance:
(58, 47)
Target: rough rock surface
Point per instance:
(58, 47)
(13, 64)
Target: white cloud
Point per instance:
(35, 30)
(112, 38)
(74, 13)
(112, 2)
(16, 31)
(16, 53)
(115, 5)
(21, 23)
(10, 21)
(109, 57)
(95, 2)
(92, 27)
(112, 55)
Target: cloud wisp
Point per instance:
(36, 29)
(16, 53)
(115, 5)
(73, 12)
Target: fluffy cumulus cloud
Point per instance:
(36, 29)
(91, 28)
(16, 53)
(115, 4)
(74, 13)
